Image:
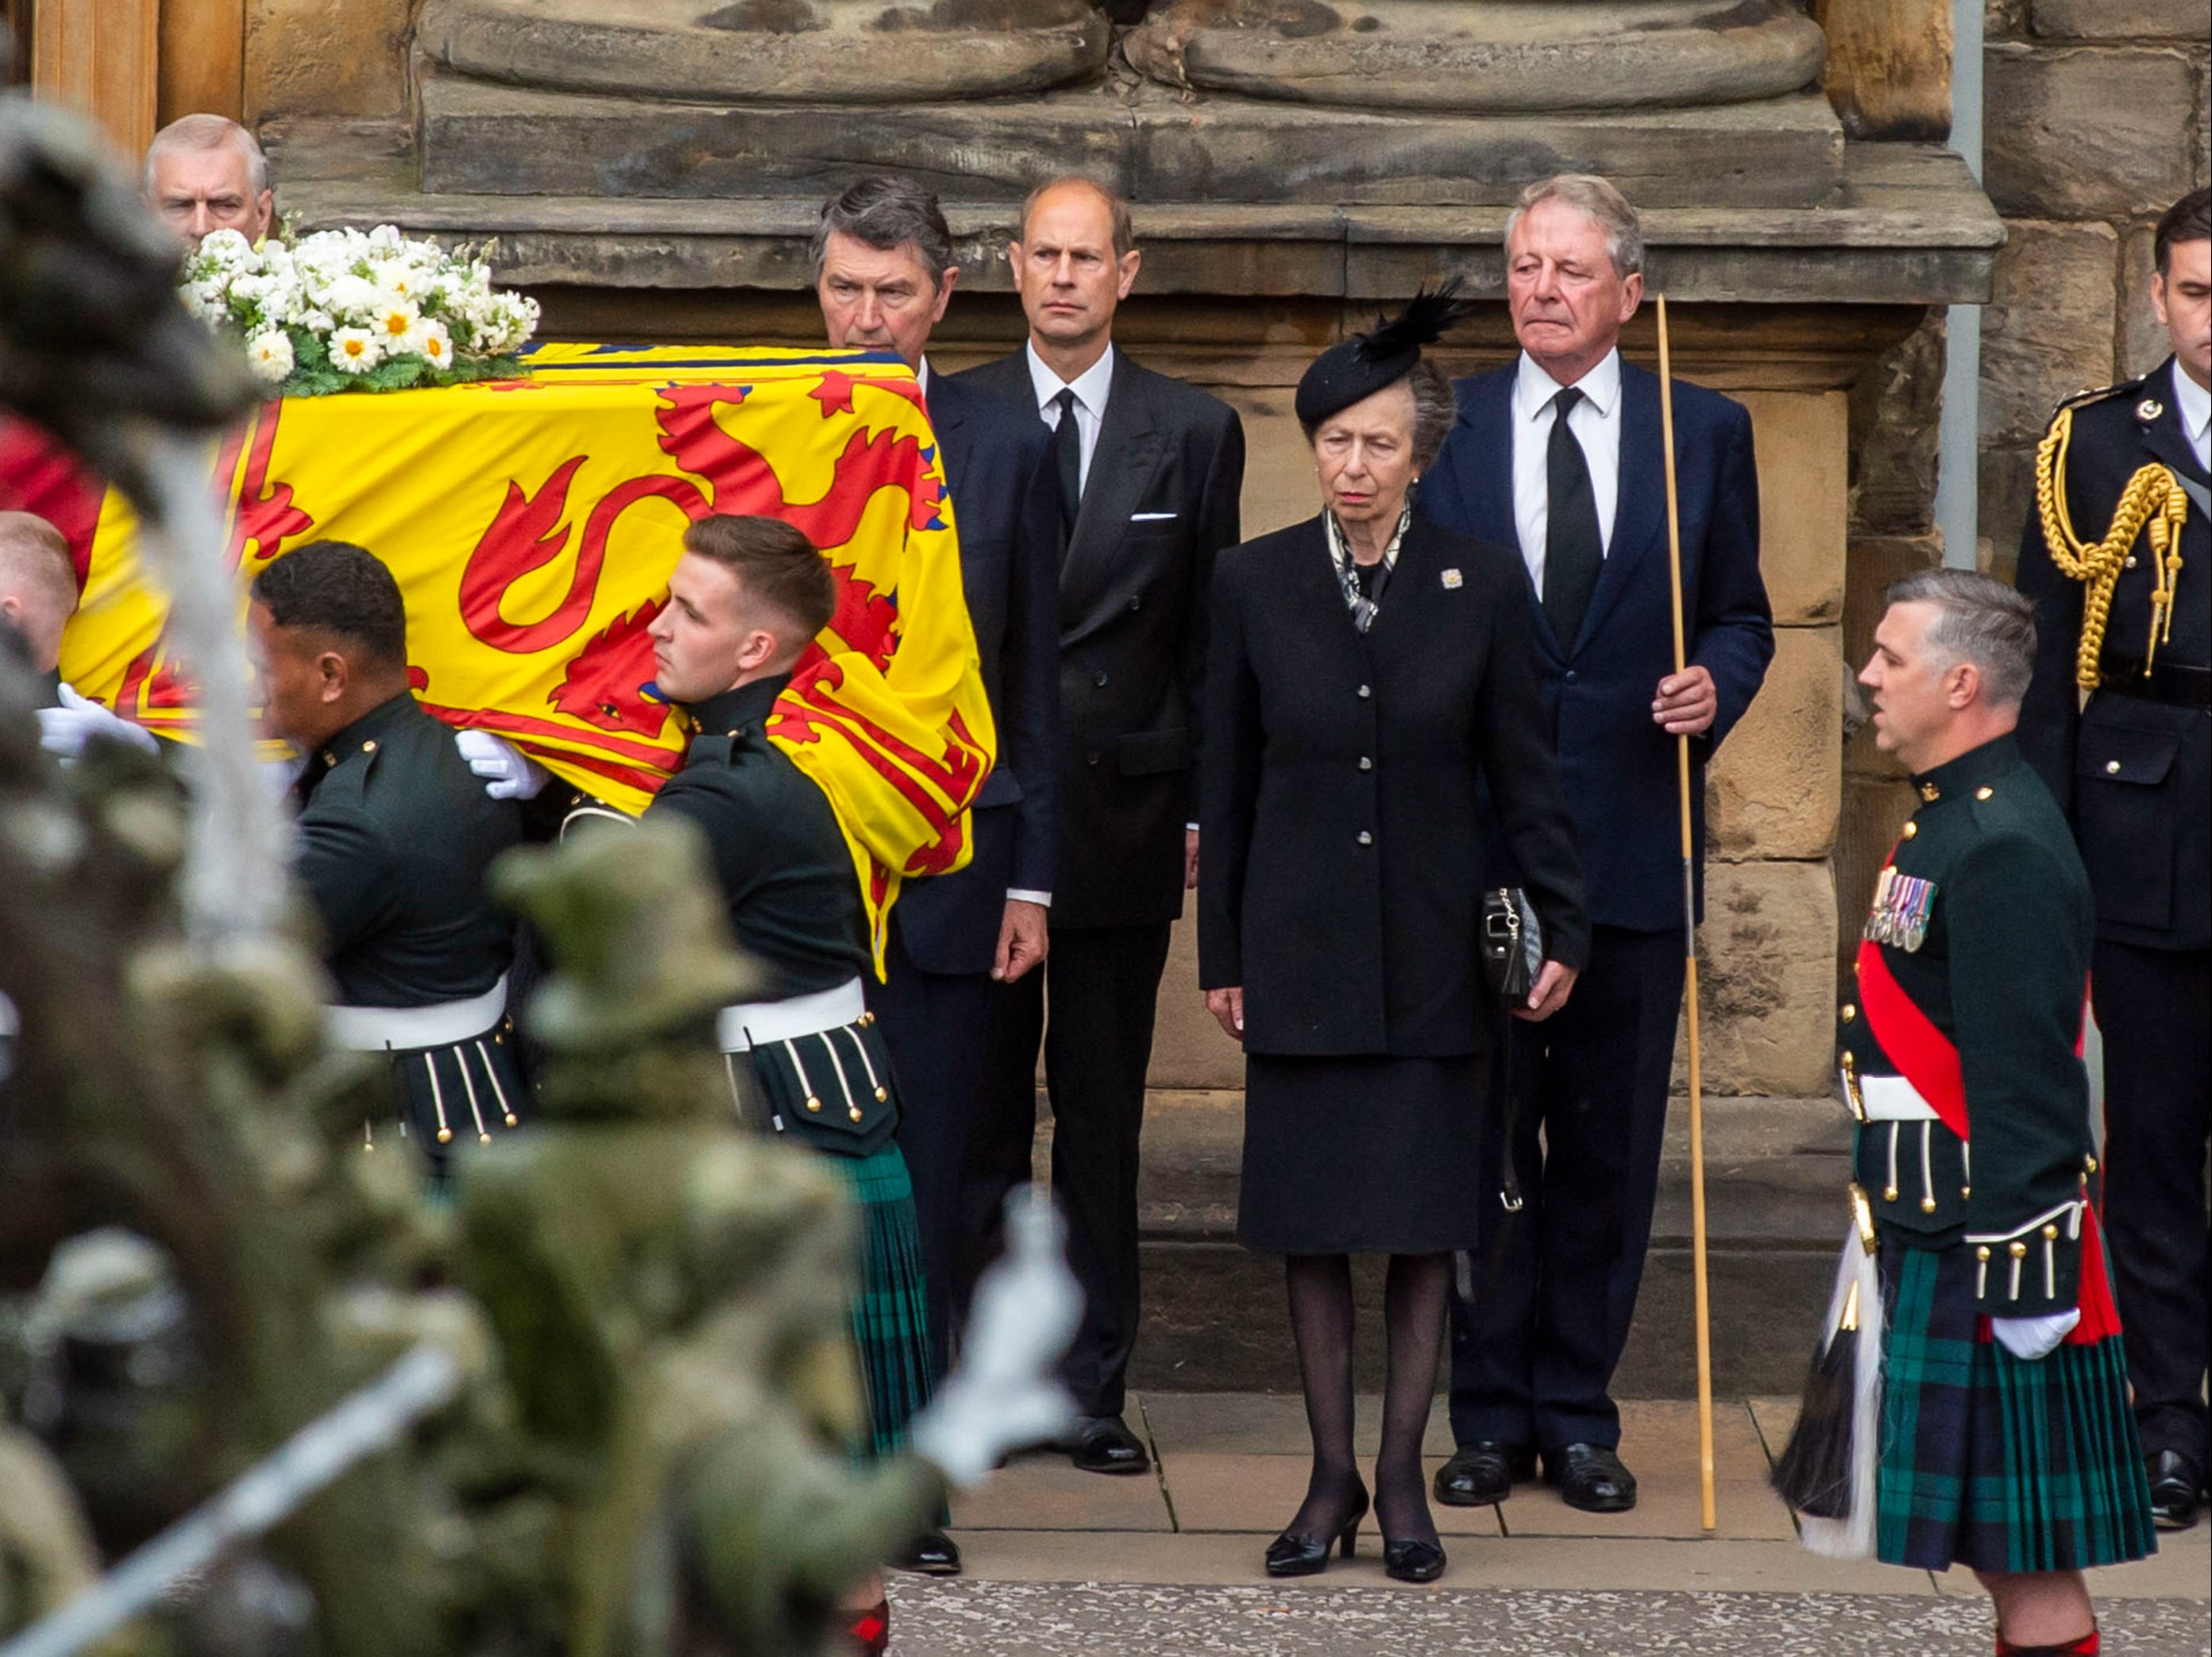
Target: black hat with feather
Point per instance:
(1366, 363)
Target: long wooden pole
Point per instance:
(1706, 1516)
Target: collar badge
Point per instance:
(2149, 409)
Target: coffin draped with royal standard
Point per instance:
(533, 524)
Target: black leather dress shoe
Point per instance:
(931, 1554)
(1412, 1562)
(1104, 1444)
(2174, 1483)
(1483, 1473)
(1590, 1478)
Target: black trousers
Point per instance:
(960, 1153)
(1534, 1349)
(2151, 1006)
(1102, 985)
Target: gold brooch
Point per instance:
(1451, 579)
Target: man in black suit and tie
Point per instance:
(883, 271)
(1149, 471)
(1559, 456)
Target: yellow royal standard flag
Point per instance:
(532, 525)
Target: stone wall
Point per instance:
(2096, 121)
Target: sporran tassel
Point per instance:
(1826, 1472)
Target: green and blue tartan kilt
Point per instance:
(1994, 1462)
(891, 1315)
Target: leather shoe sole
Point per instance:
(1484, 1473)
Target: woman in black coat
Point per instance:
(1371, 675)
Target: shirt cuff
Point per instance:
(1016, 895)
(1190, 828)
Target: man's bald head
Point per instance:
(1073, 191)
(38, 585)
(1076, 261)
(206, 173)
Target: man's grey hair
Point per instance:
(190, 134)
(886, 213)
(1597, 200)
(1979, 620)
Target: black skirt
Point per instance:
(1364, 1155)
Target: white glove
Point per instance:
(64, 730)
(2030, 1339)
(508, 773)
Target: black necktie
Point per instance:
(1573, 553)
(1068, 452)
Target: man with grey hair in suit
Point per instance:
(206, 173)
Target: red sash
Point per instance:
(1924, 1055)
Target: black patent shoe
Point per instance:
(1412, 1562)
(1291, 1555)
(2174, 1481)
(1591, 1478)
(1104, 1444)
(1483, 1473)
(931, 1554)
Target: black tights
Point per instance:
(1413, 1300)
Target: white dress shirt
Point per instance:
(1042, 898)
(1596, 422)
(1090, 387)
(2195, 404)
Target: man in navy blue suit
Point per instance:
(1559, 456)
(884, 270)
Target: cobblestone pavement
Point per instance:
(1043, 1619)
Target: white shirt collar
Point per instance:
(1090, 387)
(1532, 388)
(2195, 404)
(921, 374)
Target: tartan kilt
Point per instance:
(891, 1315)
(1990, 1461)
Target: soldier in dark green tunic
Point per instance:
(2004, 1441)
(395, 834)
(744, 604)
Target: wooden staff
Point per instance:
(1706, 1516)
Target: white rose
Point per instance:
(355, 351)
(269, 354)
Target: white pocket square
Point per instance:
(1150, 517)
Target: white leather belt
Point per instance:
(373, 1029)
(1892, 1098)
(753, 1024)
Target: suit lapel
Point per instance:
(2163, 437)
(1127, 453)
(947, 413)
(1640, 508)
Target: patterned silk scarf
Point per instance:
(1363, 605)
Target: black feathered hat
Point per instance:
(1367, 362)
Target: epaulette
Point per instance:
(2096, 394)
(711, 749)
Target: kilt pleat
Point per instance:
(1994, 1462)
(890, 1318)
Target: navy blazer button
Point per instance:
(1136, 603)
(1366, 838)
(1365, 764)
(1571, 675)
(1099, 678)
(1364, 693)
(1090, 758)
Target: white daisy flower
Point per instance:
(429, 340)
(269, 354)
(355, 351)
(395, 318)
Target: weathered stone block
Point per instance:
(1279, 485)
(1767, 974)
(2049, 332)
(1800, 440)
(2120, 19)
(1896, 416)
(1188, 1048)
(1876, 562)
(1774, 791)
(2143, 344)
(2008, 496)
(325, 58)
(2087, 132)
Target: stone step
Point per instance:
(1776, 1172)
